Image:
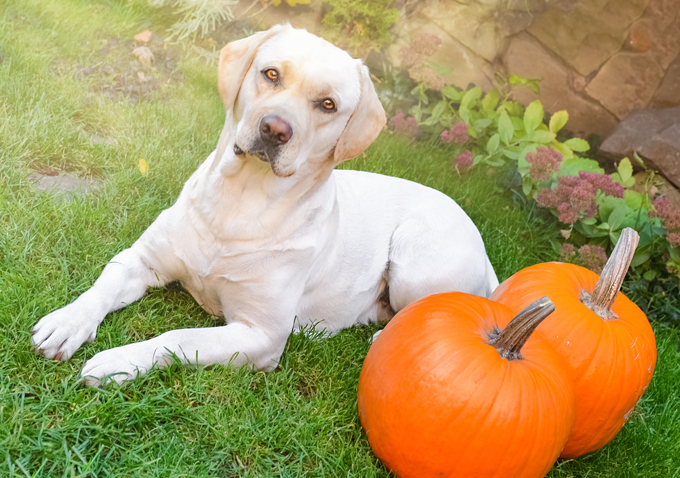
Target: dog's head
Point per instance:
(295, 97)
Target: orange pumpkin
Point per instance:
(604, 339)
(445, 391)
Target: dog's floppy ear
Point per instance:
(235, 61)
(364, 125)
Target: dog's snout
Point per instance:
(275, 130)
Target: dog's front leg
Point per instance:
(124, 280)
(234, 344)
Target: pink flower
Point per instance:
(458, 134)
(419, 49)
(673, 238)
(544, 163)
(425, 74)
(666, 210)
(567, 252)
(464, 161)
(404, 126)
(574, 197)
(592, 257)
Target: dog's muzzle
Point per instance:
(274, 130)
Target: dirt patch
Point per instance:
(126, 69)
(61, 185)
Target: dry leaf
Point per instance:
(141, 76)
(144, 37)
(143, 167)
(144, 54)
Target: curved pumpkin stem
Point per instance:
(511, 339)
(612, 276)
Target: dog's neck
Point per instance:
(248, 201)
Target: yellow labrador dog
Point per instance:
(265, 231)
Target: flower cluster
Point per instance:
(463, 161)
(589, 256)
(544, 163)
(574, 196)
(419, 49)
(592, 257)
(416, 54)
(458, 134)
(403, 125)
(670, 213)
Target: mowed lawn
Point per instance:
(71, 102)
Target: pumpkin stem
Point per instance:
(511, 339)
(612, 276)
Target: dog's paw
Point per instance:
(58, 335)
(118, 365)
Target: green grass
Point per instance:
(299, 420)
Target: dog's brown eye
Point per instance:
(328, 104)
(272, 75)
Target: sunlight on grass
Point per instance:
(299, 420)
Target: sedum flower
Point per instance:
(544, 163)
(458, 133)
(407, 126)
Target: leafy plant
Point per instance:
(196, 18)
(360, 25)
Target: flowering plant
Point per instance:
(594, 206)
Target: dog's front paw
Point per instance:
(116, 365)
(58, 335)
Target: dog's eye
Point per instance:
(328, 105)
(271, 75)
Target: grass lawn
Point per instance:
(301, 419)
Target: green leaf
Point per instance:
(527, 185)
(471, 96)
(493, 143)
(618, 215)
(439, 110)
(558, 120)
(505, 128)
(650, 275)
(464, 114)
(533, 116)
(625, 173)
(482, 123)
(634, 199)
(589, 220)
(490, 101)
(477, 159)
(571, 167)
(640, 257)
(566, 152)
(452, 93)
(639, 160)
(539, 136)
(577, 144)
(497, 162)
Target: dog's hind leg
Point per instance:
(429, 255)
(124, 280)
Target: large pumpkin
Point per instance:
(449, 389)
(604, 339)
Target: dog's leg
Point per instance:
(234, 344)
(124, 280)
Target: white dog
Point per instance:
(265, 231)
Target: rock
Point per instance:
(528, 58)
(668, 94)
(585, 33)
(654, 135)
(63, 186)
(466, 66)
(626, 82)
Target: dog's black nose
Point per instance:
(275, 130)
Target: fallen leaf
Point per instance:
(141, 76)
(143, 167)
(144, 54)
(144, 37)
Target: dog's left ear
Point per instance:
(364, 125)
(235, 61)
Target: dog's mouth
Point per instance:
(260, 150)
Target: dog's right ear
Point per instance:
(235, 61)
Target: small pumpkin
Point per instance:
(452, 387)
(604, 339)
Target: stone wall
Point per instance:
(598, 59)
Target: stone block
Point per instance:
(528, 58)
(466, 66)
(626, 82)
(654, 135)
(586, 33)
(668, 94)
(479, 27)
